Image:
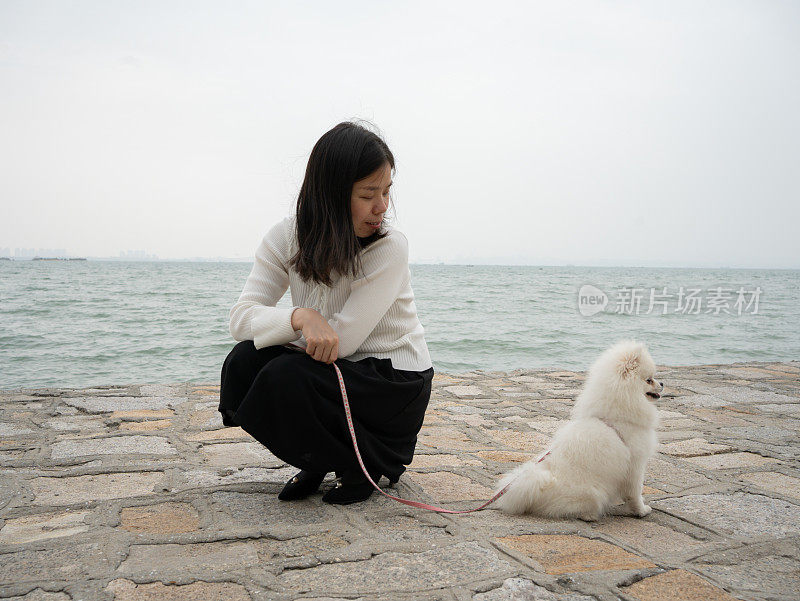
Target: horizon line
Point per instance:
(112, 259)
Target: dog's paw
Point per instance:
(588, 517)
(643, 511)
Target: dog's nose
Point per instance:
(662, 385)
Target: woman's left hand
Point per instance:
(322, 341)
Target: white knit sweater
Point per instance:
(374, 315)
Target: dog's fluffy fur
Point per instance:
(591, 466)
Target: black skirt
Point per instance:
(292, 404)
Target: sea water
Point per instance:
(87, 323)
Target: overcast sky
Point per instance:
(588, 133)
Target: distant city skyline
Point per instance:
(33, 252)
(23, 253)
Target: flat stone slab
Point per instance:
(442, 460)
(465, 391)
(112, 404)
(763, 569)
(40, 595)
(563, 554)
(7, 429)
(741, 514)
(146, 426)
(519, 589)
(196, 558)
(205, 478)
(775, 482)
(30, 528)
(161, 518)
(240, 453)
(792, 409)
(127, 590)
(533, 442)
(767, 433)
(649, 538)
(676, 585)
(394, 572)
(673, 477)
(143, 414)
(58, 563)
(93, 487)
(113, 445)
(446, 486)
(218, 435)
(449, 438)
(405, 528)
(731, 460)
(504, 456)
(140, 492)
(265, 510)
(692, 447)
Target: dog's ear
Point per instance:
(628, 364)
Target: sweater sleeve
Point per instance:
(255, 316)
(385, 270)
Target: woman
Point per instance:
(352, 303)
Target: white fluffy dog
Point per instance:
(599, 456)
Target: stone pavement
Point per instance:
(139, 493)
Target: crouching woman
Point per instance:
(352, 303)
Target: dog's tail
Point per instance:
(527, 482)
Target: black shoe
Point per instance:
(352, 487)
(303, 484)
(227, 419)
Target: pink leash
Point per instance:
(366, 473)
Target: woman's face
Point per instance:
(369, 201)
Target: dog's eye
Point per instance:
(649, 380)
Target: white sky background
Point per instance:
(592, 133)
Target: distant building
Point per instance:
(28, 253)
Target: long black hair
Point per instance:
(326, 239)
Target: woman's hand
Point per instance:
(322, 341)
